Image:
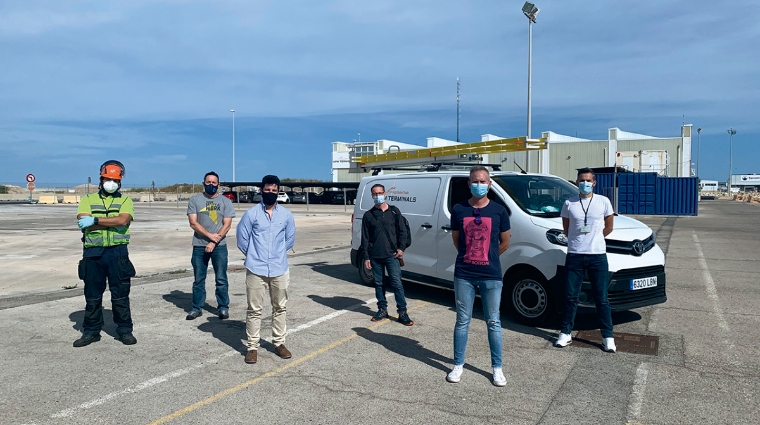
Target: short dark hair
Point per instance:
(211, 173)
(587, 171)
(270, 179)
(377, 185)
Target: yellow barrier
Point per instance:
(71, 199)
(48, 200)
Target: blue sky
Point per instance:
(151, 83)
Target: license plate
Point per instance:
(647, 282)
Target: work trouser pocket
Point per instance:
(126, 269)
(82, 270)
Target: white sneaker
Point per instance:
(498, 377)
(563, 340)
(609, 345)
(456, 374)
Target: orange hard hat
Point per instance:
(112, 170)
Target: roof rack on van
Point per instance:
(423, 157)
(438, 166)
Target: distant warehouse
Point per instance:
(666, 156)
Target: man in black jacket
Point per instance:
(383, 245)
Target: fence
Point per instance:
(650, 193)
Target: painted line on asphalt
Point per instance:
(177, 373)
(637, 396)
(272, 373)
(712, 292)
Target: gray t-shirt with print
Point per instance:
(211, 212)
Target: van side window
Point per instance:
(459, 192)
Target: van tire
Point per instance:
(527, 298)
(366, 277)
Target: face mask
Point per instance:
(268, 198)
(379, 199)
(210, 189)
(586, 187)
(110, 186)
(479, 190)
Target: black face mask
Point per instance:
(210, 189)
(268, 198)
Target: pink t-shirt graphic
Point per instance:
(477, 240)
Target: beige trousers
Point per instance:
(256, 287)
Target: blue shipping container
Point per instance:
(636, 193)
(677, 196)
(650, 193)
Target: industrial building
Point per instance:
(666, 156)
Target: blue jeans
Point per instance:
(394, 274)
(598, 272)
(200, 260)
(490, 295)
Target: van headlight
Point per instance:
(556, 237)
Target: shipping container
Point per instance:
(677, 196)
(650, 194)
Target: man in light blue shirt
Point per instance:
(265, 234)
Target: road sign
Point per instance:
(30, 177)
(30, 186)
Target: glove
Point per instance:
(86, 222)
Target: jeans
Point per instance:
(394, 274)
(464, 295)
(256, 287)
(117, 271)
(598, 272)
(200, 260)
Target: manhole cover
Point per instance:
(627, 343)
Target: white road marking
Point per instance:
(177, 373)
(712, 292)
(637, 396)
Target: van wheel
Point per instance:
(366, 277)
(527, 298)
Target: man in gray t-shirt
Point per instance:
(210, 216)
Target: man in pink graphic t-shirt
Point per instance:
(480, 231)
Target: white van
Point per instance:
(533, 266)
(708, 186)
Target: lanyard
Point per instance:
(585, 210)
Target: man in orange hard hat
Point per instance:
(104, 219)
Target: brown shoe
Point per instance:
(283, 352)
(252, 356)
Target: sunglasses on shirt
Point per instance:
(476, 214)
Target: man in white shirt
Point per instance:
(587, 219)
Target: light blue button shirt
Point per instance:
(266, 242)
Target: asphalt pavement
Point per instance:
(347, 369)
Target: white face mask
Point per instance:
(110, 186)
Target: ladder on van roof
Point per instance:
(451, 155)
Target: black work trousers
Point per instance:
(117, 270)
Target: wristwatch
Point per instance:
(95, 222)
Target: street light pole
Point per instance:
(233, 144)
(699, 131)
(731, 133)
(360, 137)
(530, 11)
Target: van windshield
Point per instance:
(540, 196)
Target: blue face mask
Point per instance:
(586, 187)
(210, 189)
(379, 199)
(479, 190)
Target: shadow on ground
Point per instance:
(345, 272)
(109, 327)
(343, 303)
(412, 349)
(184, 301)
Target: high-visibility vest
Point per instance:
(109, 206)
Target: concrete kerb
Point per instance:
(17, 300)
